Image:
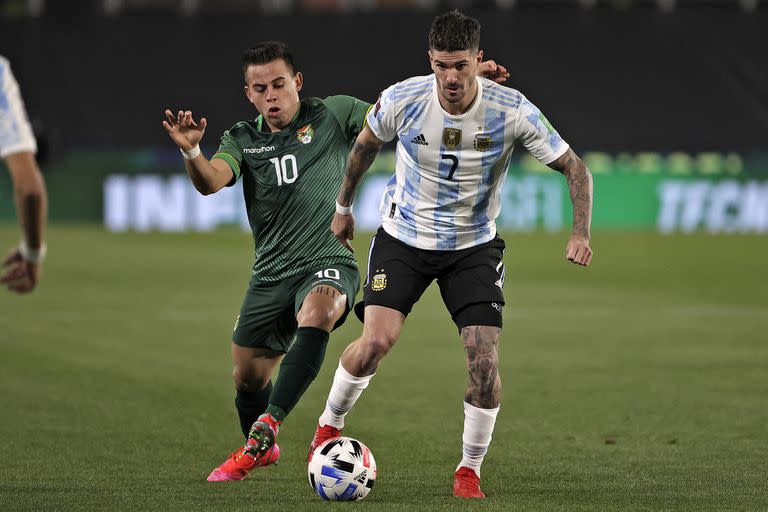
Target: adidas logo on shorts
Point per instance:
(420, 140)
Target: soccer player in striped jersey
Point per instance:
(291, 160)
(21, 267)
(455, 136)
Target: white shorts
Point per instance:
(15, 131)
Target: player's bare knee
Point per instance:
(481, 345)
(318, 317)
(373, 347)
(480, 337)
(322, 307)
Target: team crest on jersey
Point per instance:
(379, 282)
(305, 134)
(451, 137)
(483, 142)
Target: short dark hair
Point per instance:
(265, 52)
(454, 32)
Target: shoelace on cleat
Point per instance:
(261, 435)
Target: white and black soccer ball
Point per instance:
(342, 469)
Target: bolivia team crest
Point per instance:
(451, 137)
(483, 142)
(305, 134)
(379, 282)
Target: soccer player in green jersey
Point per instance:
(291, 160)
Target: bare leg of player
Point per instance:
(481, 405)
(356, 368)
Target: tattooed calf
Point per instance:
(482, 347)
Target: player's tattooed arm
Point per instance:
(580, 187)
(361, 157)
(481, 344)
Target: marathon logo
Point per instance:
(259, 150)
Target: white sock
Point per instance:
(344, 393)
(478, 428)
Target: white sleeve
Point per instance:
(15, 132)
(382, 118)
(537, 134)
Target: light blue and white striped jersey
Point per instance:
(445, 193)
(15, 131)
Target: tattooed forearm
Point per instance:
(481, 345)
(580, 187)
(360, 159)
(31, 212)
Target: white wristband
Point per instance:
(32, 255)
(343, 210)
(192, 153)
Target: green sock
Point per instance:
(250, 405)
(297, 371)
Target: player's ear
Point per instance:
(298, 79)
(479, 56)
(247, 91)
(430, 58)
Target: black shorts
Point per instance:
(471, 280)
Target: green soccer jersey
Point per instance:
(290, 182)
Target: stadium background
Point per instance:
(639, 383)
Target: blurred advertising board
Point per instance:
(674, 192)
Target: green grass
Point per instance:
(115, 387)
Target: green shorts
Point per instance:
(268, 314)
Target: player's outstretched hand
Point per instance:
(343, 227)
(492, 71)
(578, 251)
(184, 131)
(19, 275)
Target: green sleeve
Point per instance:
(231, 152)
(350, 113)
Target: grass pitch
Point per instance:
(640, 383)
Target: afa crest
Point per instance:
(379, 282)
(451, 138)
(483, 142)
(305, 134)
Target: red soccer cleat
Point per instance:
(260, 450)
(466, 484)
(322, 434)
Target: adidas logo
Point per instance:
(419, 139)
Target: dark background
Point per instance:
(613, 80)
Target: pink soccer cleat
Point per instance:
(260, 450)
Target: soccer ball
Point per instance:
(342, 469)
